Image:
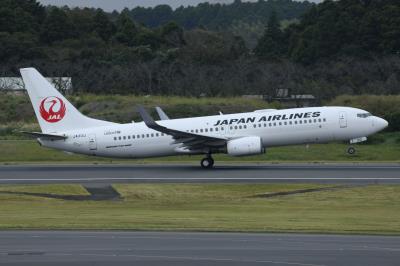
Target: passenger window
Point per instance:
(152, 135)
(315, 120)
(310, 121)
(222, 128)
(147, 135)
(124, 137)
(285, 123)
(129, 137)
(270, 124)
(236, 127)
(319, 120)
(191, 130)
(280, 123)
(216, 129)
(254, 125)
(244, 126)
(157, 134)
(201, 130)
(133, 136)
(231, 127)
(300, 122)
(142, 136)
(138, 136)
(115, 138)
(324, 119)
(211, 130)
(305, 121)
(274, 124)
(206, 130)
(295, 122)
(240, 127)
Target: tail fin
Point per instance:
(53, 112)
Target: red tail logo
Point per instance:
(52, 109)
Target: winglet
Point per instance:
(147, 119)
(161, 113)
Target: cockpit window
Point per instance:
(364, 115)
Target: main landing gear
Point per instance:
(207, 162)
(351, 150)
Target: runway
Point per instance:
(156, 248)
(186, 173)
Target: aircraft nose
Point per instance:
(381, 123)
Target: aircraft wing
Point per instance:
(190, 141)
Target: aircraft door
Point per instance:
(342, 120)
(92, 142)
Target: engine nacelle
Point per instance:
(245, 146)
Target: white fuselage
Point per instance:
(274, 127)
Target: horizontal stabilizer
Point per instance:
(44, 135)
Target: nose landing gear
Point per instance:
(207, 162)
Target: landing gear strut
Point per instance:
(351, 150)
(207, 162)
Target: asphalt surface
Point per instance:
(173, 173)
(189, 249)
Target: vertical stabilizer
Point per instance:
(53, 111)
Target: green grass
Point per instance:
(383, 148)
(373, 209)
(16, 111)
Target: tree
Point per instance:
(126, 30)
(172, 34)
(57, 26)
(103, 26)
(271, 46)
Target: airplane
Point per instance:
(242, 134)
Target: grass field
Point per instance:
(16, 111)
(373, 209)
(384, 148)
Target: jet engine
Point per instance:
(245, 146)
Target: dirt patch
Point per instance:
(301, 191)
(97, 193)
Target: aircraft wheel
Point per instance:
(207, 163)
(351, 150)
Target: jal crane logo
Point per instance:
(52, 109)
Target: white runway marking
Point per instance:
(196, 178)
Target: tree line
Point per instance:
(218, 16)
(357, 28)
(337, 47)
